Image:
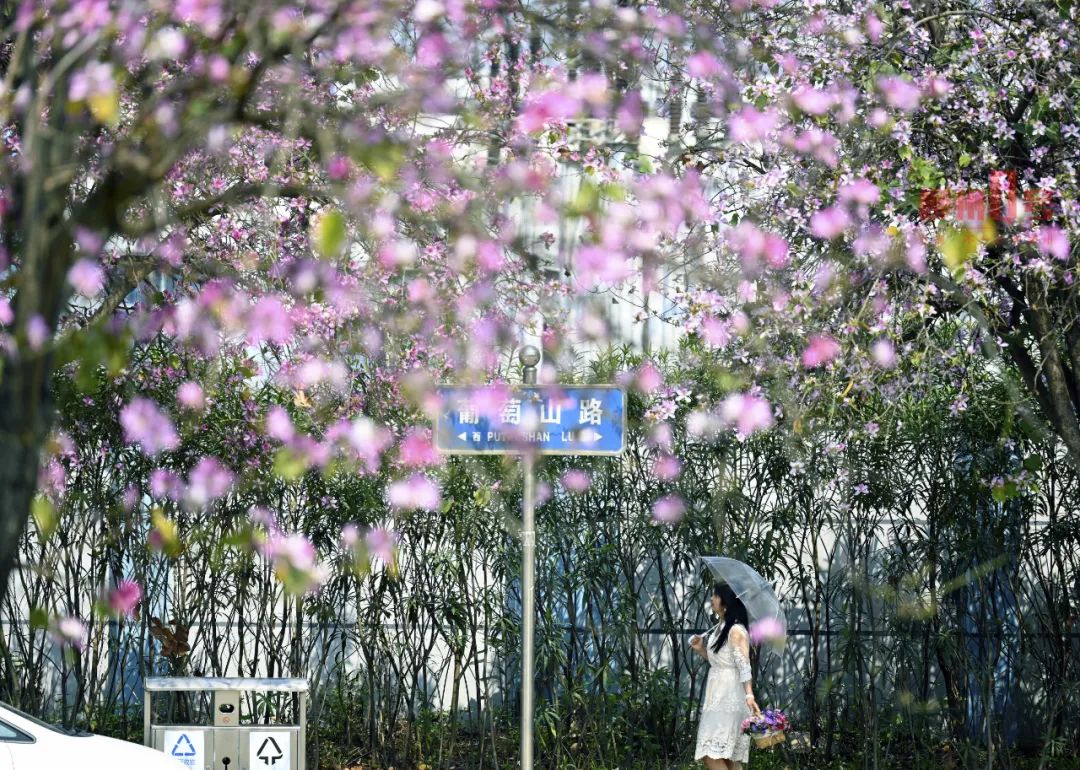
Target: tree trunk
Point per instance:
(26, 416)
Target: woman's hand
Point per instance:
(697, 644)
(755, 709)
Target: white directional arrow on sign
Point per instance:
(590, 436)
(269, 750)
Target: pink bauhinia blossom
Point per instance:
(704, 65)
(860, 191)
(146, 425)
(350, 536)
(433, 50)
(812, 101)
(207, 15)
(490, 401)
(743, 5)
(667, 468)
(884, 354)
(69, 632)
(716, 333)
(669, 509)
(543, 492)
(872, 241)
(662, 437)
(1053, 242)
(630, 113)
(821, 350)
(381, 543)
(279, 425)
(752, 125)
(592, 89)
(269, 321)
(208, 481)
(776, 251)
(164, 483)
(427, 11)
(417, 450)
(829, 223)
(125, 598)
(814, 142)
(37, 332)
(874, 27)
(900, 93)
(767, 629)
(915, 253)
(368, 440)
(294, 560)
(339, 168)
(596, 266)
(543, 109)
(52, 478)
(86, 277)
(489, 256)
(190, 395)
(398, 253)
(648, 378)
(575, 480)
(94, 79)
(417, 491)
(747, 413)
(295, 548)
(753, 245)
(937, 87)
(419, 291)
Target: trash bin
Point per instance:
(227, 742)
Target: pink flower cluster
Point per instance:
(146, 425)
(294, 560)
(747, 413)
(768, 629)
(124, 598)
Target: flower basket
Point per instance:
(766, 728)
(769, 739)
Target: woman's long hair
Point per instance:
(734, 612)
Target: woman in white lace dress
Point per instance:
(729, 698)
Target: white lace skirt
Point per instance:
(722, 712)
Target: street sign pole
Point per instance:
(529, 357)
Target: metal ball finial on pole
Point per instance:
(529, 356)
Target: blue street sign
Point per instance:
(550, 419)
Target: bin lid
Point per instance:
(203, 683)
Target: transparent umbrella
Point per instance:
(768, 623)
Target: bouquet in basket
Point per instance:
(766, 728)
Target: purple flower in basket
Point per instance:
(767, 722)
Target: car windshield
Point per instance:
(36, 721)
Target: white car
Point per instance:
(27, 743)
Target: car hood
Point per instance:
(96, 752)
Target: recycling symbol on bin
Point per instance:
(269, 752)
(183, 747)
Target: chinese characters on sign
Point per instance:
(551, 420)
